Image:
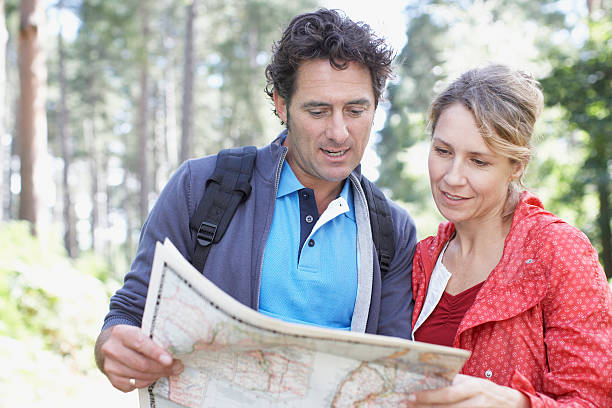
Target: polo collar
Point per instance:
(289, 183)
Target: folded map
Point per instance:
(236, 357)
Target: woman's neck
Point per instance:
(473, 253)
(477, 238)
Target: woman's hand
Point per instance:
(470, 392)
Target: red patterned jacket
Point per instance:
(542, 321)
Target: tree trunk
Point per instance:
(67, 149)
(169, 115)
(3, 104)
(12, 203)
(603, 182)
(99, 187)
(603, 191)
(143, 144)
(90, 140)
(187, 118)
(157, 147)
(593, 5)
(32, 127)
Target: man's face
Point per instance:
(329, 121)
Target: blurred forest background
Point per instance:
(101, 100)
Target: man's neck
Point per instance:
(326, 194)
(325, 191)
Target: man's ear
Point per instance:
(280, 105)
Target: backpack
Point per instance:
(230, 185)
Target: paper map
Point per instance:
(236, 357)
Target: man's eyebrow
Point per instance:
(319, 104)
(315, 104)
(360, 101)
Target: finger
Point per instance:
(130, 384)
(468, 403)
(448, 395)
(135, 383)
(126, 384)
(129, 346)
(122, 360)
(461, 378)
(141, 369)
(135, 379)
(129, 363)
(134, 338)
(118, 369)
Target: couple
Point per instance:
(512, 283)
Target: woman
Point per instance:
(503, 278)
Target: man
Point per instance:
(300, 247)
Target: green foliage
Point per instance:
(582, 86)
(93, 265)
(11, 6)
(238, 37)
(445, 38)
(409, 99)
(51, 311)
(45, 300)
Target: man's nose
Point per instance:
(337, 129)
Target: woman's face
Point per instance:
(469, 182)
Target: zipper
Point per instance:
(279, 168)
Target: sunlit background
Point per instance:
(115, 125)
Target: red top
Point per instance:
(442, 324)
(542, 321)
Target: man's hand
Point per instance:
(131, 360)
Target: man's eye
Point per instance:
(316, 113)
(356, 112)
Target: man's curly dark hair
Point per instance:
(331, 35)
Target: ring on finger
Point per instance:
(133, 382)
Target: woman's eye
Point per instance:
(441, 151)
(479, 163)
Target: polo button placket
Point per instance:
(309, 219)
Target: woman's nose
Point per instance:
(455, 174)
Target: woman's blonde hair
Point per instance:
(505, 104)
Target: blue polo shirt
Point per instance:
(309, 272)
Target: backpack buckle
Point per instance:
(206, 233)
(385, 262)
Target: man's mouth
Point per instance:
(336, 153)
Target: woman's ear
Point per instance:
(518, 168)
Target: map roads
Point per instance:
(236, 357)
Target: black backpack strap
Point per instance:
(225, 190)
(381, 223)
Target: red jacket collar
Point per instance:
(529, 205)
(529, 210)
